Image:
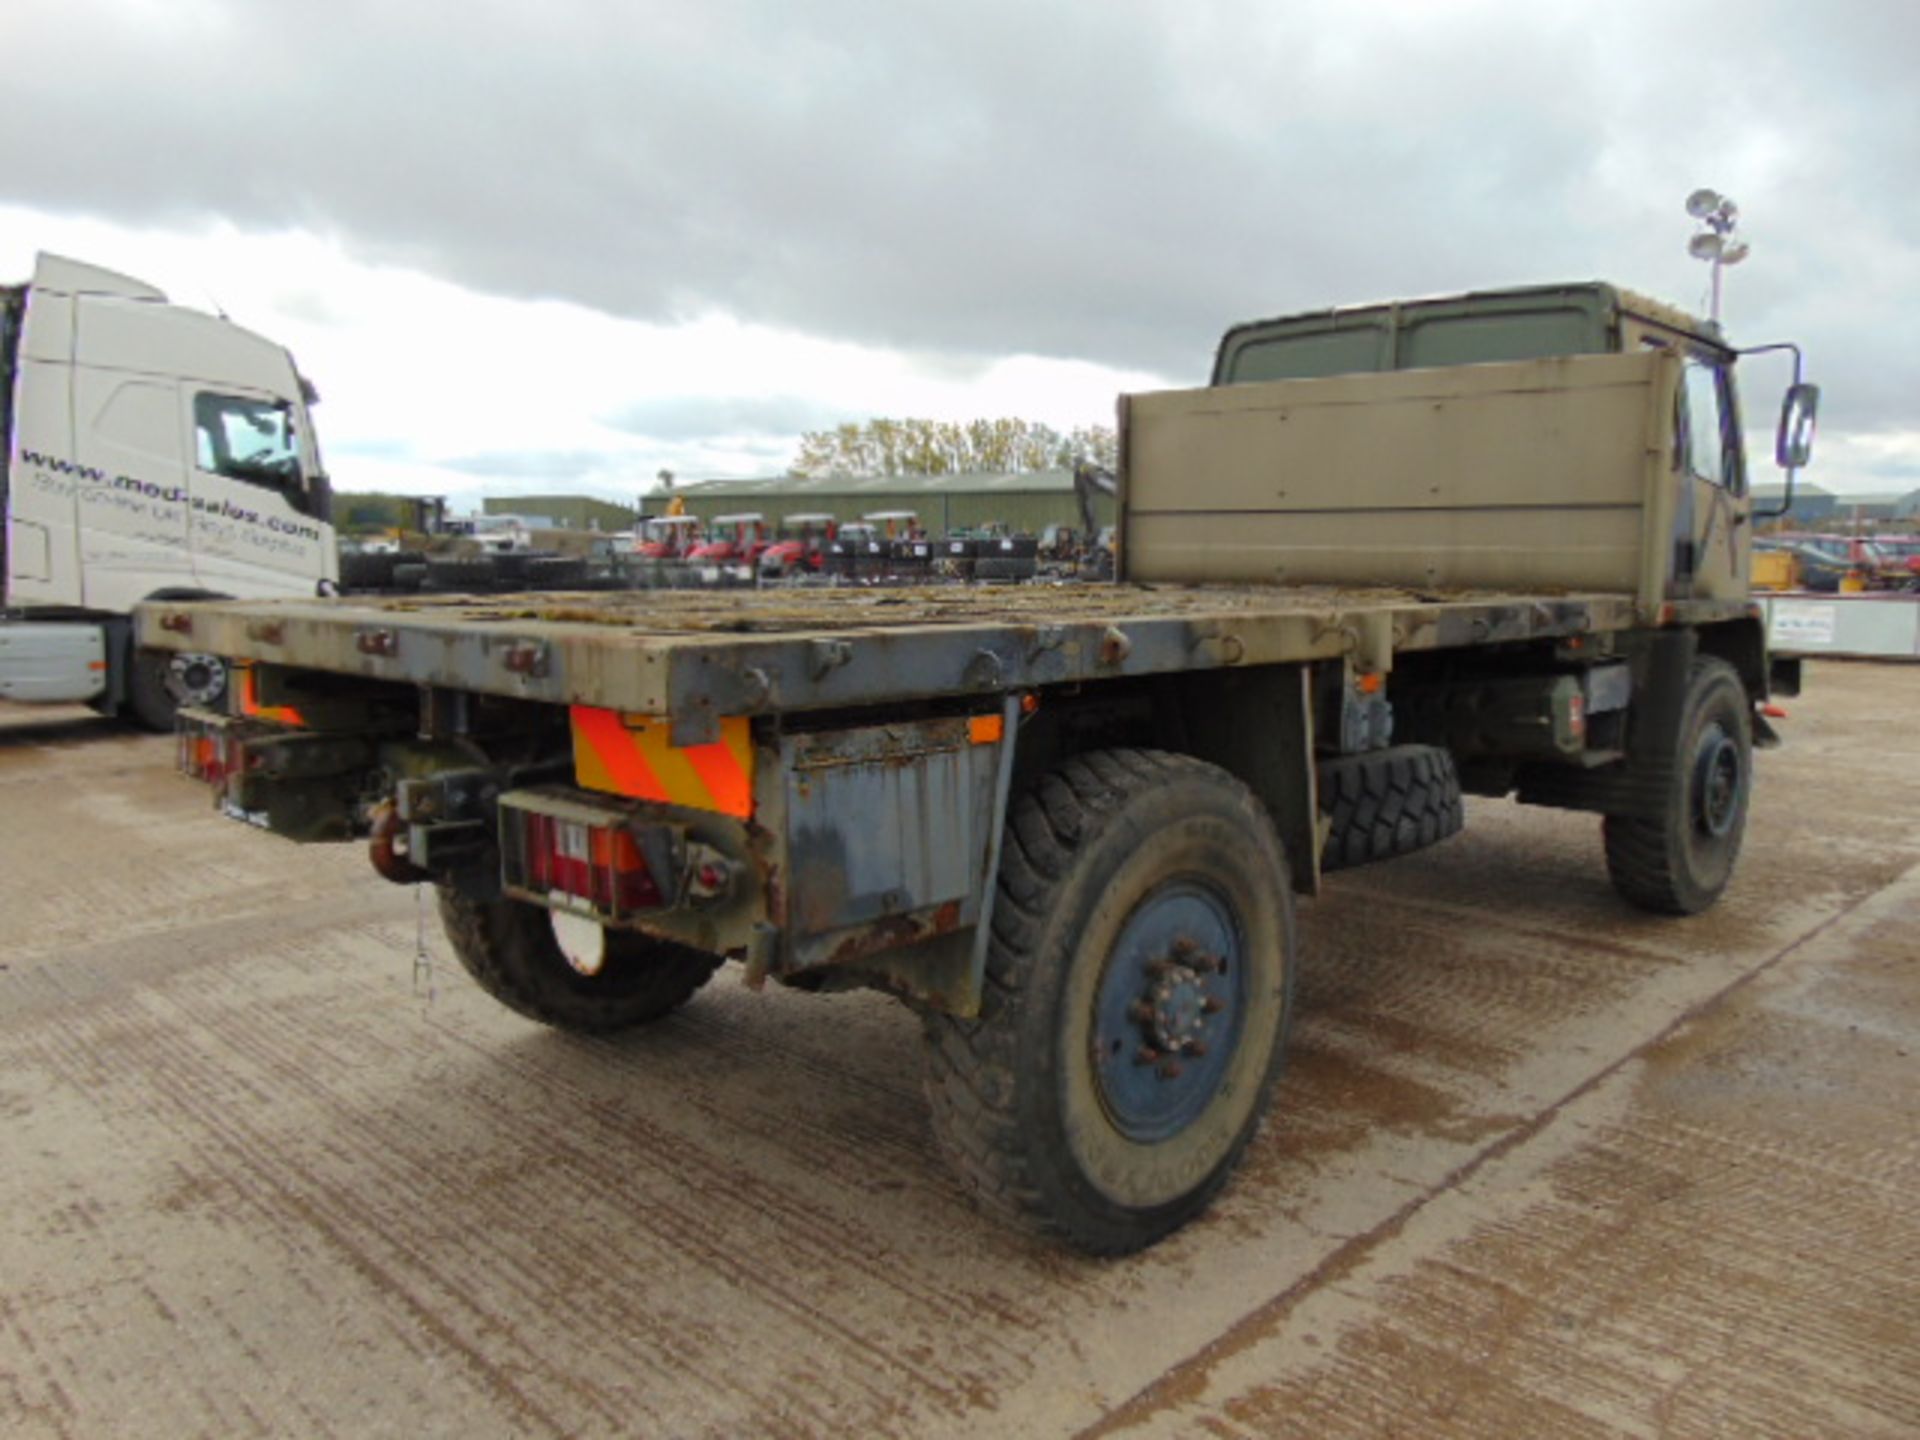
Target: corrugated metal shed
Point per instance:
(1029, 501)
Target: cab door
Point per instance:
(132, 495)
(1713, 539)
(255, 529)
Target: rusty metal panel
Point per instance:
(888, 831)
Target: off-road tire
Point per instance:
(1679, 862)
(1387, 803)
(1023, 1098)
(509, 949)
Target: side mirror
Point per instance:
(320, 497)
(1793, 444)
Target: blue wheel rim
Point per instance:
(1169, 1011)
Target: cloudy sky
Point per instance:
(561, 245)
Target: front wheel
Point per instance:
(1139, 986)
(1679, 861)
(537, 964)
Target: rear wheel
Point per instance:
(1679, 862)
(1139, 986)
(162, 681)
(559, 975)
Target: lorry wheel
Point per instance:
(161, 682)
(1679, 862)
(1385, 803)
(1139, 984)
(511, 950)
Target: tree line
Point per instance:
(947, 447)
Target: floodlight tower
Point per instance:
(1715, 244)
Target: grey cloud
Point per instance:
(738, 417)
(1112, 181)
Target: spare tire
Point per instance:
(1386, 803)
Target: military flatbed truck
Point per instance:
(1495, 543)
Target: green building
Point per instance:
(1026, 502)
(563, 512)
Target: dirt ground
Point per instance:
(1540, 1165)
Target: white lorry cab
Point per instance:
(151, 452)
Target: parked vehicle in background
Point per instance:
(502, 534)
(1900, 558)
(150, 452)
(1066, 823)
(858, 549)
(801, 548)
(1839, 562)
(667, 537)
(733, 543)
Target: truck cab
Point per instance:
(153, 451)
(1707, 497)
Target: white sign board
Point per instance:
(1798, 624)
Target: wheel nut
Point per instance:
(1146, 1055)
(1211, 1006)
(1183, 945)
(1196, 1048)
(1140, 1010)
(1170, 1070)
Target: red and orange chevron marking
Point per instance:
(631, 755)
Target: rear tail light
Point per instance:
(576, 855)
(209, 747)
(601, 866)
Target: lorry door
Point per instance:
(1712, 533)
(132, 495)
(255, 527)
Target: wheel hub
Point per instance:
(1168, 1012)
(1173, 1012)
(196, 679)
(1716, 782)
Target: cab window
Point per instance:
(250, 440)
(1708, 425)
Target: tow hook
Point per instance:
(386, 847)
